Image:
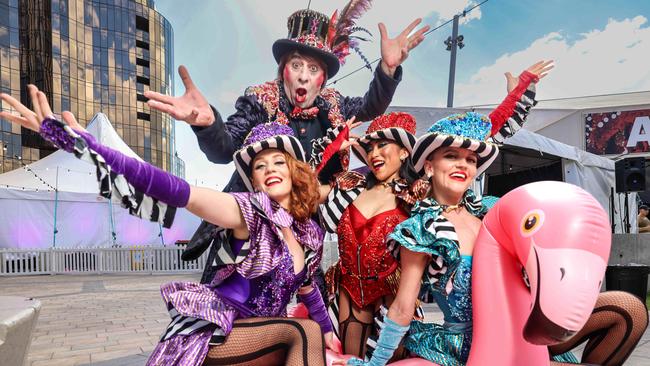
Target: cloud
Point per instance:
(269, 18)
(198, 170)
(600, 61)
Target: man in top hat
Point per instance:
(310, 55)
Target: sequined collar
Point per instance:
(397, 185)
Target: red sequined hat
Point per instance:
(396, 126)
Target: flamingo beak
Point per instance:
(564, 285)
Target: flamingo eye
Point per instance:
(532, 222)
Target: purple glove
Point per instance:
(317, 311)
(143, 176)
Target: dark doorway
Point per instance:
(498, 185)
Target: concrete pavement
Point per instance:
(111, 320)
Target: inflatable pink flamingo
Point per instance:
(559, 235)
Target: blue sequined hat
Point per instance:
(468, 130)
(272, 135)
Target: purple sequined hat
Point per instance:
(270, 135)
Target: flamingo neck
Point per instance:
(501, 305)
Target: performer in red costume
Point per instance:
(363, 211)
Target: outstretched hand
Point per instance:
(394, 51)
(191, 107)
(539, 69)
(31, 119)
(352, 138)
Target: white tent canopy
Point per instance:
(73, 174)
(30, 206)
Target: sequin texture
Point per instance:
(366, 265)
(53, 131)
(470, 125)
(275, 289)
(447, 344)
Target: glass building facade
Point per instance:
(88, 56)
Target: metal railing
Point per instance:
(145, 259)
(97, 260)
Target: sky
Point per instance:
(599, 47)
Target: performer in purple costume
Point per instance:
(271, 251)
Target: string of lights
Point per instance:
(27, 168)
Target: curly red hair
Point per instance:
(304, 192)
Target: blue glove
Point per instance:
(389, 338)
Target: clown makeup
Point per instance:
(452, 171)
(270, 173)
(303, 78)
(385, 159)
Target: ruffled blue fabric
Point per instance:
(423, 233)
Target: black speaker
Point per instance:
(630, 175)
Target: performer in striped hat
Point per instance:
(271, 251)
(434, 245)
(362, 211)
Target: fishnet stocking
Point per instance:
(355, 325)
(612, 331)
(269, 342)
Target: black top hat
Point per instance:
(308, 30)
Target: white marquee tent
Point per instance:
(30, 208)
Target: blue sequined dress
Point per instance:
(449, 343)
(447, 281)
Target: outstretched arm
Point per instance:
(142, 176)
(394, 51)
(191, 107)
(217, 138)
(511, 114)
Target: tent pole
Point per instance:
(56, 204)
(110, 213)
(162, 239)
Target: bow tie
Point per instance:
(299, 113)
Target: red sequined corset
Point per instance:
(365, 263)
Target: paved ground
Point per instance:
(115, 320)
